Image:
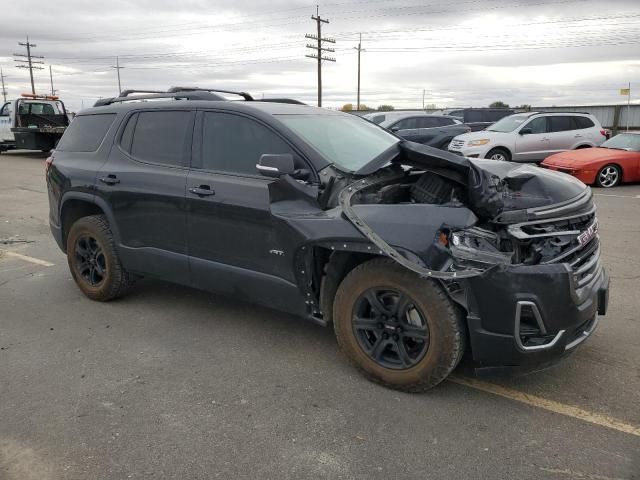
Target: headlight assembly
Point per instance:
(477, 143)
(477, 248)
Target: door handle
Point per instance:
(577, 136)
(202, 190)
(110, 180)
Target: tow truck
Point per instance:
(32, 122)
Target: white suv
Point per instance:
(531, 136)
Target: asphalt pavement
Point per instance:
(173, 383)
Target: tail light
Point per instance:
(604, 133)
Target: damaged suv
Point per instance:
(414, 254)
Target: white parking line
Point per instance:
(26, 258)
(617, 196)
(550, 405)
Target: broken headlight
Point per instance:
(477, 248)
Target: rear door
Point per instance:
(562, 133)
(532, 146)
(144, 183)
(421, 130)
(233, 244)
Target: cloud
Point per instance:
(466, 53)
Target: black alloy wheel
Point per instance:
(91, 262)
(390, 328)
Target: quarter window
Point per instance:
(561, 124)
(583, 122)
(159, 136)
(234, 144)
(85, 133)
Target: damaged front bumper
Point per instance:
(527, 316)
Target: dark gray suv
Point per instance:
(414, 255)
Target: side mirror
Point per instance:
(395, 129)
(526, 131)
(275, 165)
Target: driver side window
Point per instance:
(537, 125)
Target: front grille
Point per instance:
(571, 239)
(456, 144)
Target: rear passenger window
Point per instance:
(561, 124)
(234, 144)
(443, 121)
(427, 122)
(583, 122)
(86, 132)
(159, 137)
(406, 124)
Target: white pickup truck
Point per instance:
(32, 122)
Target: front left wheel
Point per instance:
(398, 329)
(93, 260)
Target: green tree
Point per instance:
(386, 108)
(498, 104)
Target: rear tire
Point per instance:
(93, 260)
(609, 176)
(498, 154)
(413, 351)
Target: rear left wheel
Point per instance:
(398, 329)
(94, 261)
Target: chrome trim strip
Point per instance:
(584, 335)
(516, 228)
(572, 204)
(543, 330)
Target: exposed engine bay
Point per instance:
(511, 202)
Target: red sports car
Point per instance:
(616, 160)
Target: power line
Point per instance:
(319, 56)
(29, 61)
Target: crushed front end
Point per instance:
(526, 267)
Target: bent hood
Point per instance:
(494, 187)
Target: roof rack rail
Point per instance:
(292, 101)
(244, 95)
(126, 93)
(535, 112)
(185, 95)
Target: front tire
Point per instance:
(498, 154)
(398, 329)
(609, 176)
(93, 260)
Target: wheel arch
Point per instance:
(500, 147)
(615, 164)
(76, 205)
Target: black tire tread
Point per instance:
(455, 335)
(120, 280)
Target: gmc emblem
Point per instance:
(586, 236)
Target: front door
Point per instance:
(533, 146)
(6, 121)
(144, 182)
(233, 246)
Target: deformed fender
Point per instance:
(345, 197)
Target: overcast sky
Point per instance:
(461, 53)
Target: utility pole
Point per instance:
(53, 92)
(29, 60)
(319, 49)
(628, 105)
(360, 50)
(118, 67)
(4, 90)
(423, 93)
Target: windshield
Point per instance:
(508, 124)
(624, 141)
(347, 141)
